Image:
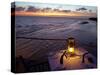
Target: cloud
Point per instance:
(81, 9)
(19, 8)
(46, 9)
(32, 9)
(35, 9)
(56, 10)
(66, 11)
(27, 9)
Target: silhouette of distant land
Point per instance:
(93, 19)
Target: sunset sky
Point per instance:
(46, 9)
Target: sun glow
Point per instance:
(55, 14)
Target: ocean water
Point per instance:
(56, 26)
(82, 29)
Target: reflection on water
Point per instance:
(82, 29)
